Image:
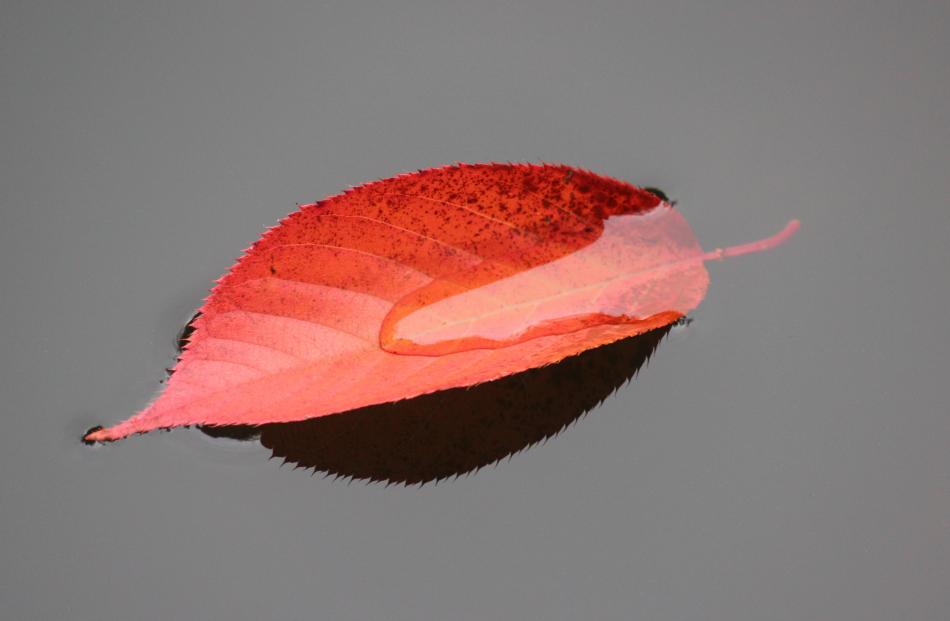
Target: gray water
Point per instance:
(786, 455)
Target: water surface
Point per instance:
(783, 456)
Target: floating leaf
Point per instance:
(440, 279)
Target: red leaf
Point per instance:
(444, 278)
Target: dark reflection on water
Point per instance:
(455, 431)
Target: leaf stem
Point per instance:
(757, 246)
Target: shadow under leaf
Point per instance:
(456, 431)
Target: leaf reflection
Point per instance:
(456, 431)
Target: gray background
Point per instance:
(786, 456)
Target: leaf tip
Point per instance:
(101, 435)
(93, 435)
